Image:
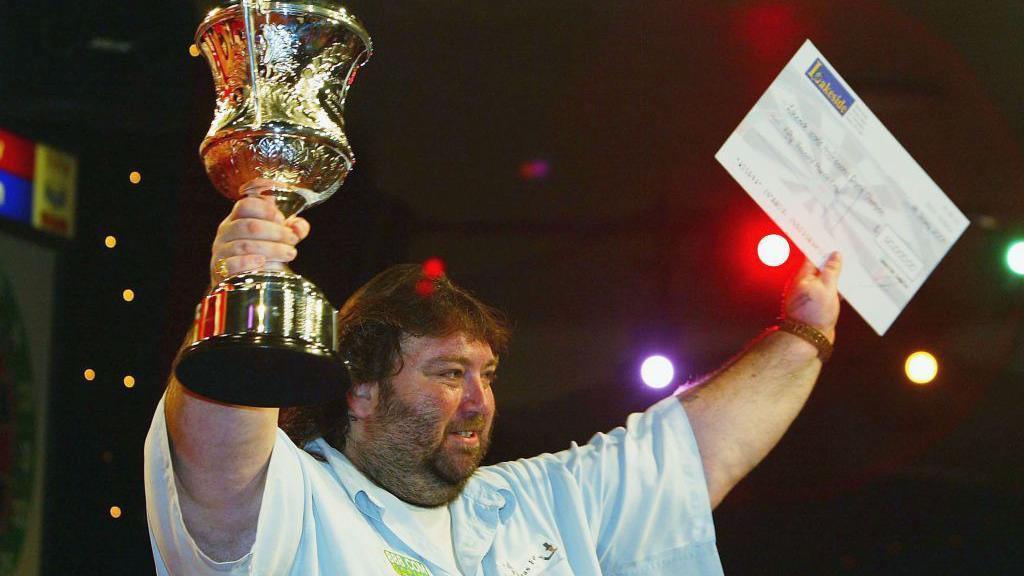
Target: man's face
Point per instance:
(432, 423)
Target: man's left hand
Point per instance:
(812, 296)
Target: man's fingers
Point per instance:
(257, 229)
(272, 251)
(222, 268)
(239, 264)
(830, 271)
(806, 269)
(262, 207)
(299, 226)
(253, 234)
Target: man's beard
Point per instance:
(400, 452)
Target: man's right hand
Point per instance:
(255, 235)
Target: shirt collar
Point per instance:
(489, 491)
(370, 499)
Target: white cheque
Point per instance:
(827, 171)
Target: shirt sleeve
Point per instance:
(645, 496)
(281, 512)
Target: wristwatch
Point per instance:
(808, 333)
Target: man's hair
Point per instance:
(400, 302)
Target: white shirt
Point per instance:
(631, 502)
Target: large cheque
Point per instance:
(827, 171)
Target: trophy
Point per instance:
(281, 71)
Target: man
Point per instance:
(386, 481)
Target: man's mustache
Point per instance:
(474, 424)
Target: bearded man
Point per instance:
(387, 480)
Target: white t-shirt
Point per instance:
(631, 502)
(436, 525)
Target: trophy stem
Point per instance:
(289, 202)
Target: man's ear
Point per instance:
(362, 399)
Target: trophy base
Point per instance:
(257, 370)
(264, 338)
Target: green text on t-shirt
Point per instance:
(405, 566)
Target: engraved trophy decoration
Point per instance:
(281, 71)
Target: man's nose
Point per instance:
(474, 393)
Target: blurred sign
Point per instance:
(15, 198)
(38, 185)
(17, 155)
(53, 201)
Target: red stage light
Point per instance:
(534, 170)
(773, 250)
(739, 248)
(772, 29)
(433, 268)
(425, 287)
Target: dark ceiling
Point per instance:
(635, 240)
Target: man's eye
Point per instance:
(452, 374)
(491, 377)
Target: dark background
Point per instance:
(635, 241)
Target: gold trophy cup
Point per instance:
(281, 71)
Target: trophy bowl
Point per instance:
(281, 72)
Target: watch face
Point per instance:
(18, 423)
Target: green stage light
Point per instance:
(1015, 257)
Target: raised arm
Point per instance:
(220, 452)
(740, 412)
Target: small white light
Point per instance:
(657, 371)
(773, 250)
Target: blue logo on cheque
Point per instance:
(830, 86)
